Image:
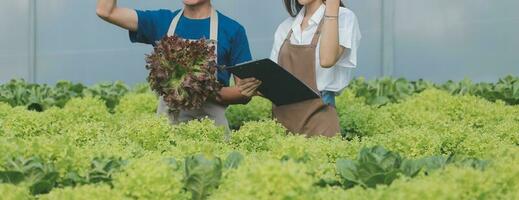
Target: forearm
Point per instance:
(330, 50)
(122, 17)
(231, 95)
(105, 8)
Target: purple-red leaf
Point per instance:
(183, 72)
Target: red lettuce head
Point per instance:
(183, 72)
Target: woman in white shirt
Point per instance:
(318, 44)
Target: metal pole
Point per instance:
(32, 41)
(388, 37)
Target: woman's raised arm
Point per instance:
(330, 50)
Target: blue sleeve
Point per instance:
(240, 51)
(152, 26)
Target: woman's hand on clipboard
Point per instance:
(249, 87)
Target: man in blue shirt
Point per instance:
(197, 20)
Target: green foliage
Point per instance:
(42, 97)
(86, 192)
(358, 119)
(110, 93)
(373, 166)
(141, 88)
(40, 177)
(91, 150)
(202, 175)
(39, 97)
(22, 123)
(87, 109)
(137, 104)
(457, 118)
(378, 166)
(266, 179)
(386, 90)
(150, 177)
(451, 183)
(233, 160)
(101, 171)
(299, 149)
(200, 130)
(14, 192)
(257, 109)
(4, 109)
(506, 89)
(155, 136)
(257, 136)
(66, 90)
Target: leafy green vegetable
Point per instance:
(103, 169)
(150, 177)
(41, 177)
(14, 192)
(378, 166)
(202, 175)
(183, 72)
(386, 90)
(266, 179)
(66, 90)
(38, 97)
(233, 160)
(84, 192)
(111, 93)
(137, 104)
(257, 109)
(424, 129)
(12, 177)
(374, 166)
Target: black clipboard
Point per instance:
(278, 85)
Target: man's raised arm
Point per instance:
(123, 17)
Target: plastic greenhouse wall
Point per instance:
(49, 40)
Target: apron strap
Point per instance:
(213, 27)
(289, 35)
(317, 35)
(174, 23)
(315, 39)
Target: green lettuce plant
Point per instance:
(39, 97)
(41, 177)
(85, 192)
(14, 192)
(256, 110)
(109, 92)
(266, 179)
(202, 175)
(379, 166)
(151, 177)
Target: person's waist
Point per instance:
(328, 97)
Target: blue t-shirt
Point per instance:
(233, 46)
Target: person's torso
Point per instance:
(194, 29)
(327, 79)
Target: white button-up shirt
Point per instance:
(336, 78)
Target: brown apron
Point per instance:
(311, 117)
(210, 109)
